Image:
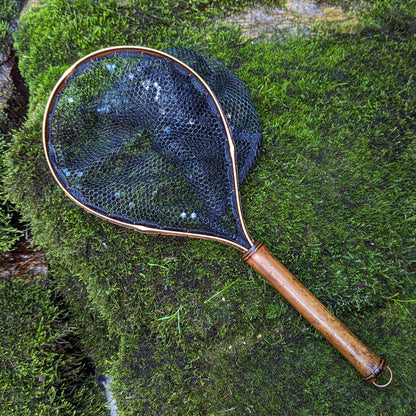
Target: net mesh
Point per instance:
(135, 137)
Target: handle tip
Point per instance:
(386, 384)
(378, 371)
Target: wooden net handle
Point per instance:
(368, 364)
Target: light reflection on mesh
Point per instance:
(137, 138)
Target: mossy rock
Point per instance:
(184, 326)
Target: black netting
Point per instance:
(137, 138)
(235, 101)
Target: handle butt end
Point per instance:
(378, 372)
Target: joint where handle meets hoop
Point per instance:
(252, 250)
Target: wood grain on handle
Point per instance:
(369, 365)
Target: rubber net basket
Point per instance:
(137, 138)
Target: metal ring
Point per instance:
(385, 385)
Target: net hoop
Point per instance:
(141, 228)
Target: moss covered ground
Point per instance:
(183, 326)
(10, 104)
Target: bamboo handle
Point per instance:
(369, 365)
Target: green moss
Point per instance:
(297, 373)
(9, 233)
(393, 19)
(43, 371)
(8, 12)
(184, 326)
